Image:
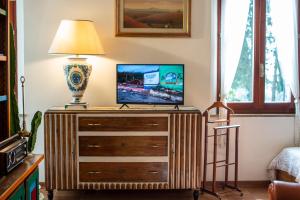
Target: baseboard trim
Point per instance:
(262, 183)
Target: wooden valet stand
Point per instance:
(220, 163)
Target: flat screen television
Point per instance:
(156, 84)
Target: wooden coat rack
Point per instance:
(220, 163)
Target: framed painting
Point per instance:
(153, 18)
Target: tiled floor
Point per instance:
(250, 193)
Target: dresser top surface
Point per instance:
(155, 109)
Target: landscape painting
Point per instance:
(153, 14)
(153, 17)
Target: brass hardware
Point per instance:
(152, 124)
(155, 146)
(94, 146)
(261, 70)
(154, 172)
(23, 132)
(94, 172)
(91, 124)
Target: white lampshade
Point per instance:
(76, 37)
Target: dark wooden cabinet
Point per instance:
(23, 182)
(4, 70)
(104, 149)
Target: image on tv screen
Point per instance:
(150, 84)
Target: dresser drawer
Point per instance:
(123, 172)
(123, 123)
(123, 146)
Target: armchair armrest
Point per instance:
(279, 190)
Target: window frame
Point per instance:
(258, 106)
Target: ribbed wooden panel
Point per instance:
(123, 186)
(60, 141)
(185, 151)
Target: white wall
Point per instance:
(261, 138)
(20, 40)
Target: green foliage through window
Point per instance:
(276, 90)
(242, 86)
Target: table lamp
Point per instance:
(77, 37)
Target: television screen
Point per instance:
(150, 84)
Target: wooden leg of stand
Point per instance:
(50, 194)
(236, 172)
(205, 157)
(196, 194)
(227, 157)
(215, 162)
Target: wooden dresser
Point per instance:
(132, 149)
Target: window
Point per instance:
(257, 84)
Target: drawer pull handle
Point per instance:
(152, 124)
(153, 172)
(94, 172)
(91, 124)
(155, 146)
(94, 146)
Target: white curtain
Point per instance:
(285, 28)
(234, 22)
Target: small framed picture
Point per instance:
(153, 18)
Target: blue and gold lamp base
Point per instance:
(77, 73)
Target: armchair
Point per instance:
(279, 190)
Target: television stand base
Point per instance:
(176, 107)
(124, 105)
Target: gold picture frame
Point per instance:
(153, 18)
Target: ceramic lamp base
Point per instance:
(77, 73)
